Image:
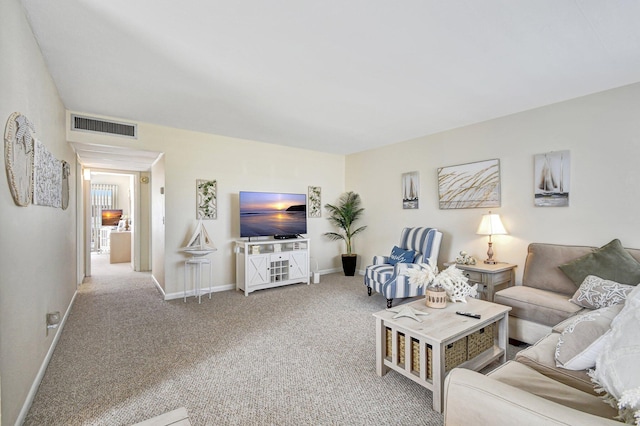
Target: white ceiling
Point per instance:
(339, 76)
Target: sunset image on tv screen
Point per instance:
(266, 213)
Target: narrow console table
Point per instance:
(271, 263)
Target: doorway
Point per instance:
(113, 213)
(94, 159)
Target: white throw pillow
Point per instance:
(583, 339)
(618, 368)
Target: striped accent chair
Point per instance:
(391, 280)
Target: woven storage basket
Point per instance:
(415, 350)
(389, 346)
(480, 341)
(415, 355)
(400, 348)
(454, 354)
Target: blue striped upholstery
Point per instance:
(391, 280)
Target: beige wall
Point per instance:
(157, 222)
(602, 131)
(143, 221)
(237, 165)
(38, 244)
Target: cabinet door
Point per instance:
(298, 265)
(257, 269)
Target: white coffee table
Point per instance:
(442, 327)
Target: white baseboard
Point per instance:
(43, 367)
(334, 270)
(160, 289)
(226, 287)
(330, 271)
(203, 292)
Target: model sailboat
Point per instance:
(199, 244)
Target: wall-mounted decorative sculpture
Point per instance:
(34, 174)
(47, 177)
(18, 157)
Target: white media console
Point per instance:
(271, 263)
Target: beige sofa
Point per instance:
(542, 300)
(499, 399)
(532, 389)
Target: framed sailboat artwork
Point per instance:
(410, 190)
(551, 179)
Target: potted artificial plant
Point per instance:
(343, 215)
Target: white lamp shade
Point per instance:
(491, 225)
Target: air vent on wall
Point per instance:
(87, 124)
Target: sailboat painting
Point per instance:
(410, 190)
(551, 179)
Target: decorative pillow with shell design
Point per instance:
(583, 339)
(596, 293)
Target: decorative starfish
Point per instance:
(407, 311)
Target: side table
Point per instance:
(421, 351)
(197, 262)
(490, 278)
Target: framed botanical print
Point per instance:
(206, 199)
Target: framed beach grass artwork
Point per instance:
(470, 185)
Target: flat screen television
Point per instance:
(111, 217)
(265, 214)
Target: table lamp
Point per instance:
(491, 225)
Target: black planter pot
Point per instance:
(349, 264)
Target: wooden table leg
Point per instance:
(503, 335)
(381, 346)
(437, 367)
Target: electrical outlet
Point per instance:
(53, 319)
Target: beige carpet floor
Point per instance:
(295, 355)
